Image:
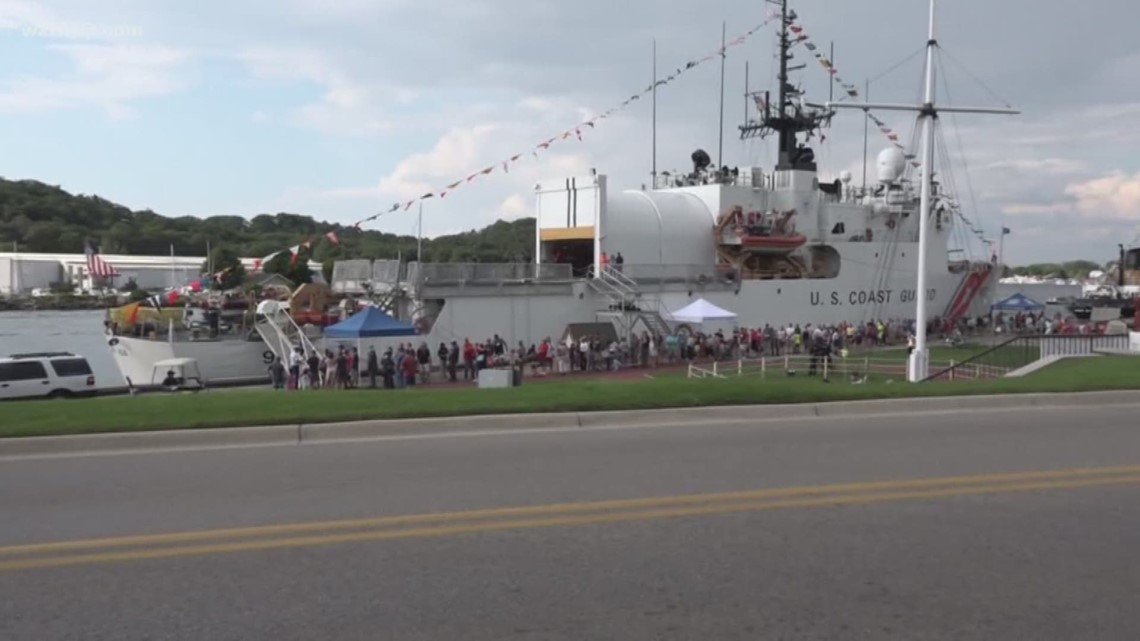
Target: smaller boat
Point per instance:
(772, 245)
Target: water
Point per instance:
(81, 332)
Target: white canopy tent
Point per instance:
(705, 315)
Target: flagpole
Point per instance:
(420, 236)
(723, 58)
(654, 134)
(866, 128)
(14, 281)
(1001, 252)
(171, 265)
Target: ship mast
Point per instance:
(790, 115)
(919, 364)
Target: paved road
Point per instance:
(977, 525)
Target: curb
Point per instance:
(299, 434)
(171, 439)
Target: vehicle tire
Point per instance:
(60, 393)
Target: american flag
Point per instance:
(96, 266)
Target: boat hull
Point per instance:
(772, 245)
(230, 361)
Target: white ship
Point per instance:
(774, 246)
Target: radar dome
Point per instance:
(891, 164)
(845, 176)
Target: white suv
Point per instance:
(46, 374)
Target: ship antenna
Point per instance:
(918, 364)
(723, 57)
(785, 118)
(655, 113)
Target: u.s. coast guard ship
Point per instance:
(773, 245)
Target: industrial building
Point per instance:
(21, 272)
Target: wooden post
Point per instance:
(740, 367)
(763, 368)
(690, 370)
(714, 368)
(786, 366)
(825, 360)
(951, 369)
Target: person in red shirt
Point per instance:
(410, 366)
(468, 359)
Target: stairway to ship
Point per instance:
(282, 335)
(627, 303)
(655, 322)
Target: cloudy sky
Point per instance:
(338, 108)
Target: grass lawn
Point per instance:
(268, 407)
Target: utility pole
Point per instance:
(919, 363)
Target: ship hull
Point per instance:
(223, 362)
(756, 303)
(530, 316)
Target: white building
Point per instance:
(22, 272)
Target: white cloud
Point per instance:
(1051, 166)
(109, 76)
(1113, 196)
(1037, 209)
(346, 105)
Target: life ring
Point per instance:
(267, 356)
(113, 342)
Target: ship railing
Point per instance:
(386, 272)
(351, 276)
(673, 274)
(487, 273)
(282, 335)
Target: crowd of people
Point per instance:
(408, 365)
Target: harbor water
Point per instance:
(81, 332)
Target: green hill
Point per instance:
(45, 218)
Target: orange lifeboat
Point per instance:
(772, 245)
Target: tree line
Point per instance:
(43, 218)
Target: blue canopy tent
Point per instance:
(369, 322)
(1017, 303)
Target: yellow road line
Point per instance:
(554, 521)
(555, 508)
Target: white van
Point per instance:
(45, 374)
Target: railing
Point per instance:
(476, 273)
(666, 274)
(350, 276)
(282, 335)
(854, 368)
(1020, 351)
(386, 271)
